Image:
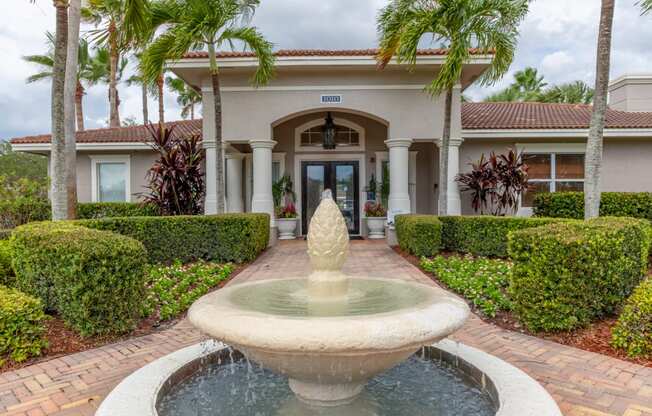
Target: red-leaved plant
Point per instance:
(374, 209)
(175, 180)
(286, 211)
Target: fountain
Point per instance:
(327, 336)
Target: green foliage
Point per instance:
(221, 238)
(484, 235)
(614, 204)
(94, 279)
(565, 275)
(93, 210)
(6, 271)
(5, 234)
(22, 329)
(420, 235)
(17, 165)
(480, 280)
(633, 333)
(172, 289)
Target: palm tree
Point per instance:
(187, 96)
(489, 25)
(593, 165)
(528, 83)
(506, 95)
(99, 70)
(646, 5)
(189, 24)
(121, 23)
(577, 92)
(137, 79)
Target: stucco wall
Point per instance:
(631, 96)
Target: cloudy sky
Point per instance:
(558, 37)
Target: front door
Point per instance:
(342, 178)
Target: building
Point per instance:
(385, 124)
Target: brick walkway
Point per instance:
(583, 383)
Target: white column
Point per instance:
(262, 199)
(208, 134)
(234, 185)
(454, 198)
(399, 185)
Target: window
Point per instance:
(344, 136)
(553, 172)
(110, 179)
(349, 136)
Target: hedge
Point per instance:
(420, 235)
(5, 234)
(22, 329)
(484, 235)
(633, 332)
(22, 211)
(567, 274)
(615, 204)
(6, 272)
(94, 279)
(220, 238)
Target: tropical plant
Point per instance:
(283, 191)
(646, 5)
(187, 96)
(100, 69)
(287, 211)
(17, 165)
(374, 209)
(384, 185)
(190, 24)
(527, 86)
(593, 164)
(490, 26)
(145, 88)
(496, 183)
(577, 92)
(176, 179)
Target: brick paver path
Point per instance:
(583, 383)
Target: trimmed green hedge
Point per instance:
(614, 204)
(22, 329)
(221, 238)
(92, 210)
(484, 235)
(633, 333)
(6, 271)
(420, 235)
(567, 274)
(94, 279)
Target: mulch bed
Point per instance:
(64, 341)
(595, 338)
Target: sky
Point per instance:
(558, 37)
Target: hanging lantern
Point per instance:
(328, 132)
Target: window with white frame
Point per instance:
(553, 172)
(110, 179)
(344, 136)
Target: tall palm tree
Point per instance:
(646, 5)
(120, 24)
(577, 92)
(187, 96)
(189, 24)
(84, 73)
(459, 25)
(593, 165)
(137, 79)
(527, 86)
(99, 70)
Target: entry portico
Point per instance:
(384, 121)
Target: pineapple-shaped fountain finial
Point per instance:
(328, 236)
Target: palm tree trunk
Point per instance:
(444, 149)
(79, 106)
(145, 109)
(217, 101)
(114, 114)
(71, 87)
(593, 164)
(58, 141)
(161, 104)
(192, 111)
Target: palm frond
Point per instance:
(262, 48)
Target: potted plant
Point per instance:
(376, 217)
(286, 220)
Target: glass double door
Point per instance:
(342, 178)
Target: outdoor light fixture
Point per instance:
(329, 131)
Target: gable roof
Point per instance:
(284, 53)
(475, 116)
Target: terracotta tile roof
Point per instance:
(475, 116)
(499, 116)
(320, 52)
(132, 134)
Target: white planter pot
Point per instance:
(376, 227)
(286, 228)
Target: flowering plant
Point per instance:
(286, 211)
(374, 209)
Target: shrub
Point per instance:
(616, 204)
(633, 333)
(221, 238)
(94, 279)
(5, 234)
(172, 289)
(6, 272)
(480, 280)
(92, 210)
(484, 235)
(420, 235)
(567, 274)
(23, 210)
(22, 329)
